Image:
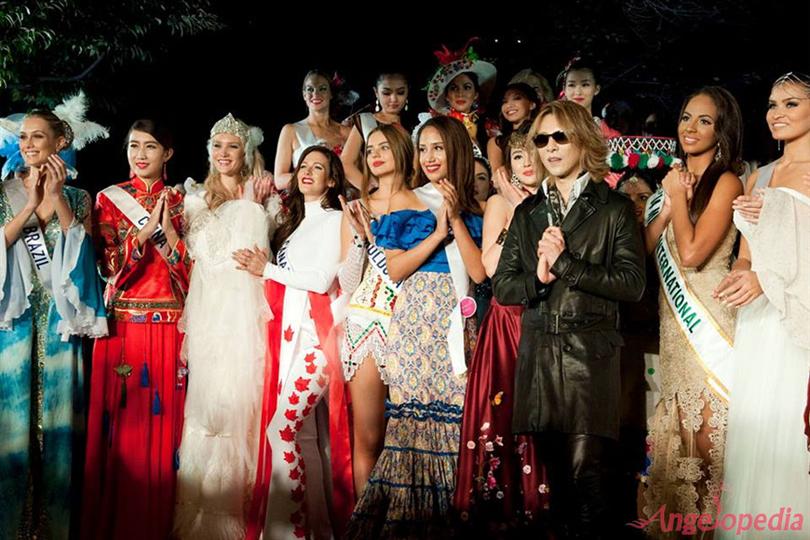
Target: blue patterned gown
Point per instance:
(41, 395)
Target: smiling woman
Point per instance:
(50, 296)
(135, 423)
(318, 128)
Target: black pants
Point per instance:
(581, 472)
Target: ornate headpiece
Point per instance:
(79, 132)
(454, 63)
(641, 152)
(250, 136)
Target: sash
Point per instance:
(654, 205)
(138, 216)
(431, 196)
(32, 236)
(711, 346)
(376, 258)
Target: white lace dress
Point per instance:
(225, 326)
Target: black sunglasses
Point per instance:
(541, 139)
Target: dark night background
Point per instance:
(648, 51)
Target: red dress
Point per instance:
(137, 384)
(501, 485)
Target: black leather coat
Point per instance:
(568, 377)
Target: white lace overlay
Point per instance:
(678, 475)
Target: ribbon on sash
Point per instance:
(431, 196)
(32, 236)
(712, 347)
(138, 216)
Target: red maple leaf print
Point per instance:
(294, 474)
(322, 381)
(306, 411)
(297, 495)
(288, 334)
(291, 414)
(294, 399)
(309, 358)
(311, 369)
(298, 426)
(312, 398)
(287, 434)
(296, 517)
(301, 384)
(299, 532)
(289, 457)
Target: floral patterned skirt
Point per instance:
(409, 494)
(501, 486)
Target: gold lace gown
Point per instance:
(678, 476)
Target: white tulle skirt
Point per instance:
(767, 461)
(225, 325)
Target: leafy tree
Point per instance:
(51, 47)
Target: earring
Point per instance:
(377, 108)
(779, 146)
(165, 176)
(719, 154)
(406, 104)
(515, 180)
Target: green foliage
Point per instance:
(51, 47)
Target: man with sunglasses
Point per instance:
(572, 253)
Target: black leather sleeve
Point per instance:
(625, 278)
(515, 280)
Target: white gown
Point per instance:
(225, 325)
(767, 460)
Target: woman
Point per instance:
(689, 228)
(303, 356)
(410, 490)
(500, 485)
(137, 386)
(767, 458)
(224, 322)
(460, 88)
(318, 128)
(364, 275)
(519, 106)
(391, 95)
(581, 85)
(49, 296)
(483, 189)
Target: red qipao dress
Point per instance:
(138, 383)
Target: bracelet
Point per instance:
(502, 237)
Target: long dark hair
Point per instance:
(460, 163)
(506, 126)
(728, 127)
(291, 218)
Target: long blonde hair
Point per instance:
(582, 131)
(215, 191)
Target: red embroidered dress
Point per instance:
(137, 382)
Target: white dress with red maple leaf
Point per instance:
(306, 268)
(225, 340)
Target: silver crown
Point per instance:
(229, 124)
